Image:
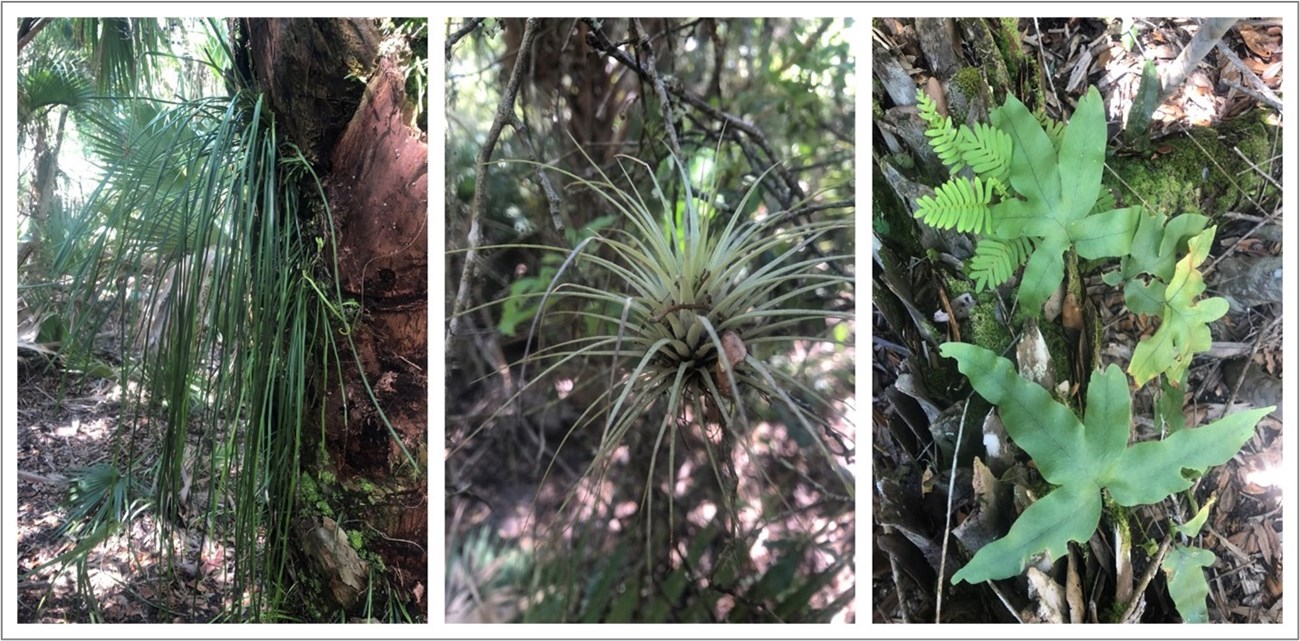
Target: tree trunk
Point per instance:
(47, 171)
(373, 163)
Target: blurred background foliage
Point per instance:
(746, 95)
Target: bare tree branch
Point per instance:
(1211, 32)
(31, 32)
(552, 199)
(792, 192)
(505, 113)
(469, 26)
(648, 50)
(1259, 91)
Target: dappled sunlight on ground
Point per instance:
(55, 443)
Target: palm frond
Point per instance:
(49, 81)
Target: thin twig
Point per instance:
(947, 519)
(596, 38)
(1257, 95)
(795, 192)
(505, 110)
(469, 26)
(1047, 73)
(1005, 601)
(1147, 575)
(1210, 32)
(1255, 166)
(1271, 219)
(800, 212)
(1232, 398)
(552, 199)
(1261, 92)
(638, 32)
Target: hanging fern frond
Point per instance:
(1105, 201)
(995, 261)
(987, 150)
(961, 203)
(945, 139)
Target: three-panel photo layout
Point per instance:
(641, 358)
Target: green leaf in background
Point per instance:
(516, 310)
(1138, 131)
(1193, 527)
(1185, 328)
(1186, 580)
(1083, 457)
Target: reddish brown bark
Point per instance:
(378, 191)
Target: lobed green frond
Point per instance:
(995, 261)
(961, 203)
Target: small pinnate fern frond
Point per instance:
(1105, 201)
(1055, 129)
(987, 150)
(962, 204)
(995, 261)
(944, 138)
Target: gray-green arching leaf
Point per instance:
(1068, 513)
(1148, 472)
(1186, 580)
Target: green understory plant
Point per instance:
(1036, 192)
(1083, 457)
(207, 251)
(1032, 192)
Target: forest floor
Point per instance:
(1243, 368)
(64, 429)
